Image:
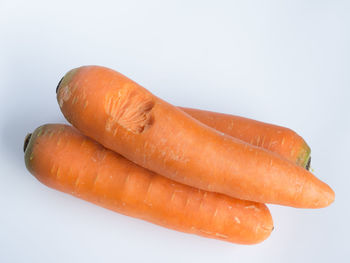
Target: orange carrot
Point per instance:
(280, 140)
(126, 118)
(61, 158)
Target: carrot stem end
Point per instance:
(58, 85)
(26, 141)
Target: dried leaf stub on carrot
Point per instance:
(63, 159)
(280, 140)
(126, 118)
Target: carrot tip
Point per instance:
(26, 141)
(58, 85)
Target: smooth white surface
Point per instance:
(284, 62)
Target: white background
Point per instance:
(283, 62)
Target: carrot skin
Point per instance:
(63, 159)
(274, 138)
(126, 118)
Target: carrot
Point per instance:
(280, 140)
(63, 159)
(126, 118)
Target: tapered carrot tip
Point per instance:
(317, 193)
(329, 195)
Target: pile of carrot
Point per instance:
(189, 170)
